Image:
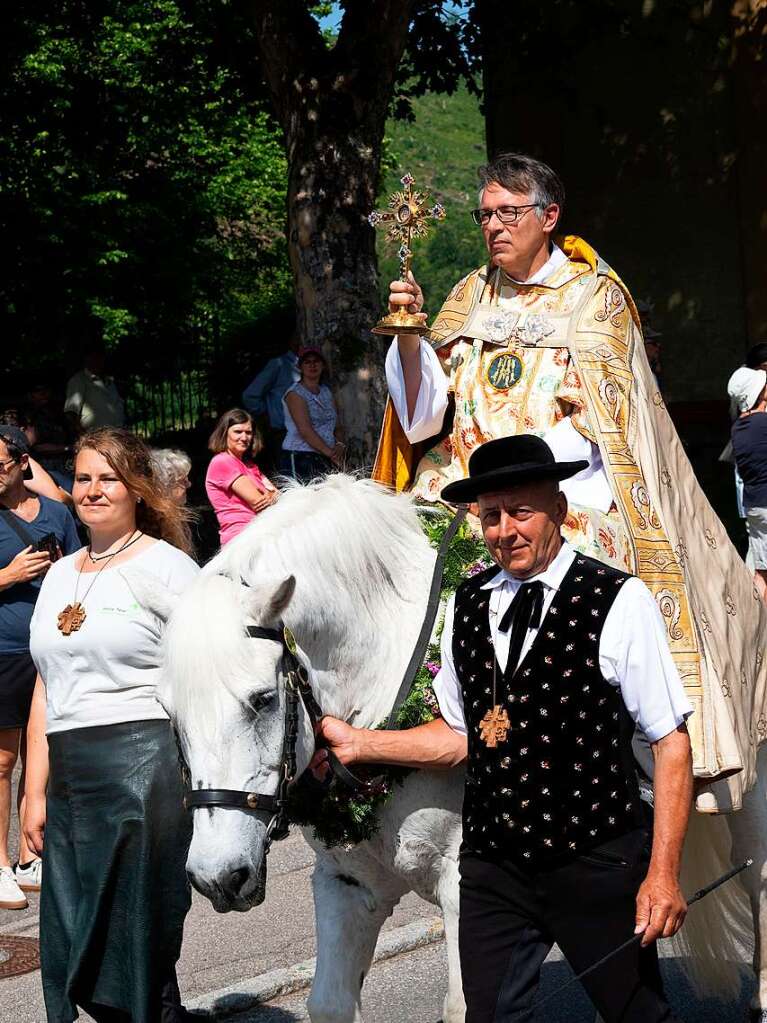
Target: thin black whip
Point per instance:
(700, 894)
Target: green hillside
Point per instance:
(442, 149)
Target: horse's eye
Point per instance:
(259, 702)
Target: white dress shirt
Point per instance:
(633, 650)
(589, 488)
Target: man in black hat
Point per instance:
(549, 662)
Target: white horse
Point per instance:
(362, 570)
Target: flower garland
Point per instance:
(339, 816)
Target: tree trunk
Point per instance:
(332, 105)
(332, 188)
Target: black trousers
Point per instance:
(304, 466)
(510, 919)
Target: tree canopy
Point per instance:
(146, 176)
(144, 185)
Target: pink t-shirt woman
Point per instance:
(232, 511)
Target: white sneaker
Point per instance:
(11, 896)
(29, 877)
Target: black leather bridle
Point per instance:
(298, 690)
(275, 806)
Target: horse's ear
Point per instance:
(150, 594)
(279, 600)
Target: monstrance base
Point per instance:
(400, 322)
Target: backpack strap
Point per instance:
(15, 523)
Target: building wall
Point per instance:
(653, 112)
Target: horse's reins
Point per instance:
(427, 626)
(297, 689)
(342, 773)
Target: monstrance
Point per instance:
(406, 218)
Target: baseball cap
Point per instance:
(310, 350)
(745, 387)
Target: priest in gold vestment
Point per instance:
(545, 339)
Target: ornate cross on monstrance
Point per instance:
(407, 218)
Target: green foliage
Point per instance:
(144, 180)
(342, 817)
(144, 185)
(442, 147)
(339, 816)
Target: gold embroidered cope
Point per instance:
(577, 339)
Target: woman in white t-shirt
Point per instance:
(111, 826)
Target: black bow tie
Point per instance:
(523, 613)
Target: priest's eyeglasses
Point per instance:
(506, 214)
(5, 466)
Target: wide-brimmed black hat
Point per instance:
(507, 462)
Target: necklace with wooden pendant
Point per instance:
(495, 725)
(72, 617)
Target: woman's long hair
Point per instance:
(130, 458)
(235, 417)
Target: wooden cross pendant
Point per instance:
(71, 618)
(494, 726)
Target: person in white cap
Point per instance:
(748, 389)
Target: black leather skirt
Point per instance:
(115, 892)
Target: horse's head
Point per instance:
(225, 691)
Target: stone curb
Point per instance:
(248, 994)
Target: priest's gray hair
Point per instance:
(520, 173)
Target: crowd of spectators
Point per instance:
(289, 425)
(81, 495)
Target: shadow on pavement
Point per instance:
(573, 1005)
(265, 1014)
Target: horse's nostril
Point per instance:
(237, 880)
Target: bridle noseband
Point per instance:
(297, 689)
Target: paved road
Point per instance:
(222, 950)
(219, 950)
(410, 988)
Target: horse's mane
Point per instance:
(358, 555)
(351, 544)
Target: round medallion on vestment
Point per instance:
(504, 371)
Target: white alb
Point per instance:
(589, 488)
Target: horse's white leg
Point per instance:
(454, 1008)
(348, 919)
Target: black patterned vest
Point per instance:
(563, 780)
